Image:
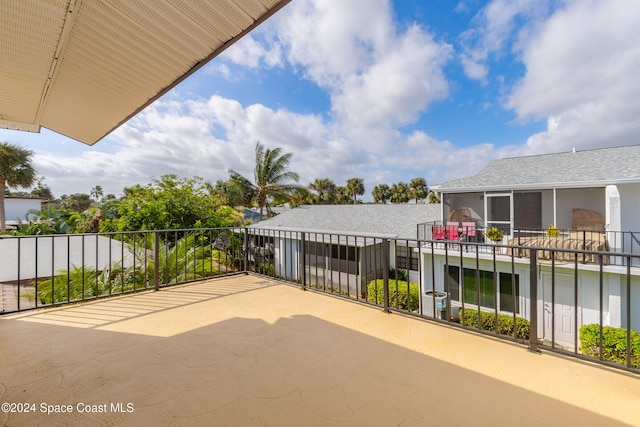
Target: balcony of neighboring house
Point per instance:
(211, 326)
(590, 219)
(520, 241)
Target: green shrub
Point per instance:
(614, 344)
(402, 295)
(469, 317)
(398, 274)
(266, 268)
(79, 283)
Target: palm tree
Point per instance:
(342, 196)
(97, 193)
(355, 188)
(15, 170)
(434, 197)
(418, 189)
(380, 193)
(399, 193)
(325, 188)
(269, 179)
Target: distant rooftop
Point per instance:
(399, 220)
(588, 168)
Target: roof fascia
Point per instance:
(577, 184)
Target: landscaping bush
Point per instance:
(469, 317)
(614, 344)
(398, 274)
(266, 268)
(402, 295)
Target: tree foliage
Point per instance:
(271, 179)
(16, 170)
(418, 189)
(355, 188)
(399, 193)
(325, 191)
(381, 193)
(78, 202)
(170, 203)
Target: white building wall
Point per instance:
(547, 210)
(58, 253)
(614, 290)
(16, 209)
(629, 207)
(286, 257)
(578, 198)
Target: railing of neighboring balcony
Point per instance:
(615, 242)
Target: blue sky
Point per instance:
(381, 90)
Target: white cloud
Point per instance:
(250, 53)
(378, 77)
(207, 137)
(334, 39)
(496, 29)
(581, 68)
(398, 86)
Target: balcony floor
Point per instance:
(248, 351)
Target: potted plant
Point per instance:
(552, 231)
(494, 234)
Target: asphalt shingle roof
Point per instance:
(399, 220)
(581, 168)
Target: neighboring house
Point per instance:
(250, 215)
(339, 238)
(17, 209)
(592, 196)
(594, 189)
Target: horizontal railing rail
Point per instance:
(49, 270)
(614, 242)
(574, 301)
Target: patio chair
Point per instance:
(469, 231)
(437, 232)
(222, 242)
(452, 232)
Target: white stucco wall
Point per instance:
(614, 289)
(629, 207)
(16, 208)
(578, 198)
(286, 257)
(54, 253)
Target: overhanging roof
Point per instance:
(84, 67)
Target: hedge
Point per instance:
(398, 296)
(469, 317)
(614, 344)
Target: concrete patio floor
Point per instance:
(247, 351)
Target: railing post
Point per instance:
(385, 274)
(533, 302)
(303, 260)
(245, 249)
(156, 260)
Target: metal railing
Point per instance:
(40, 271)
(613, 242)
(490, 289)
